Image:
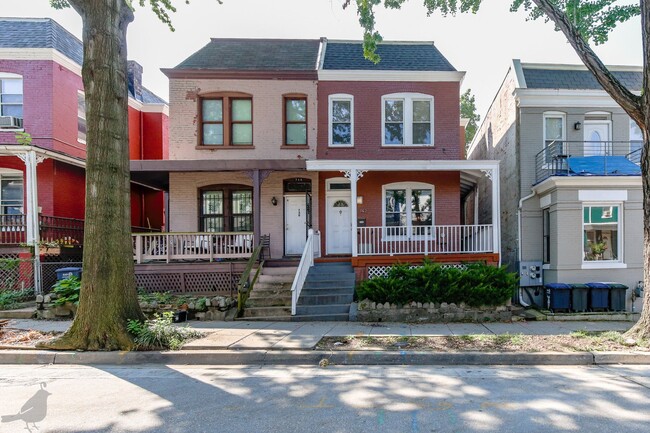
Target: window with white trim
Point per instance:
(407, 120)
(11, 95)
(341, 120)
(81, 117)
(554, 135)
(601, 225)
(409, 205)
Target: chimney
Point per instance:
(134, 72)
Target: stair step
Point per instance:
(320, 318)
(271, 286)
(260, 294)
(267, 311)
(328, 264)
(328, 285)
(266, 301)
(307, 291)
(279, 271)
(346, 278)
(276, 278)
(306, 310)
(266, 319)
(325, 299)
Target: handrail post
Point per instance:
(138, 249)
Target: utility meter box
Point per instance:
(530, 274)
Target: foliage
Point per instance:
(67, 290)
(9, 298)
(160, 333)
(593, 19)
(468, 111)
(476, 285)
(24, 138)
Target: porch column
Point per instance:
(257, 207)
(31, 211)
(496, 211)
(353, 210)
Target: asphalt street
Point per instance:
(60, 398)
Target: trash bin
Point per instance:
(558, 296)
(598, 296)
(63, 273)
(617, 292)
(579, 297)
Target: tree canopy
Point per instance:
(468, 111)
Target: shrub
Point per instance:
(9, 298)
(475, 285)
(67, 290)
(160, 333)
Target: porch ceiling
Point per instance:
(155, 173)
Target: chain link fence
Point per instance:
(51, 262)
(16, 273)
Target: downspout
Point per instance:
(521, 204)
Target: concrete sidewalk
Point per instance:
(287, 336)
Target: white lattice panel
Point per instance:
(382, 270)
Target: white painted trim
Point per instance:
(331, 99)
(322, 48)
(16, 149)
(580, 67)
(564, 98)
(362, 75)
(603, 265)
(407, 132)
(464, 121)
(402, 165)
(620, 228)
(545, 201)
(587, 182)
(10, 75)
(520, 78)
(346, 193)
(409, 187)
(602, 195)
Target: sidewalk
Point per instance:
(272, 336)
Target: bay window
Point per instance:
(407, 120)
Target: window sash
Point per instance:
(407, 121)
(226, 121)
(225, 210)
(11, 195)
(402, 209)
(601, 229)
(241, 121)
(341, 121)
(295, 121)
(11, 97)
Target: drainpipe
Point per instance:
(521, 204)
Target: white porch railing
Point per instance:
(170, 247)
(306, 262)
(426, 240)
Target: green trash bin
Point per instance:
(579, 297)
(617, 292)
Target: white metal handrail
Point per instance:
(306, 262)
(191, 246)
(443, 239)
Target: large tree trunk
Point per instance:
(108, 295)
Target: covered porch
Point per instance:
(381, 212)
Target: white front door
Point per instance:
(339, 225)
(597, 139)
(295, 220)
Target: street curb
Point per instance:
(313, 357)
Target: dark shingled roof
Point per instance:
(394, 57)
(255, 54)
(575, 79)
(47, 33)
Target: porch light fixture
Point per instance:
(360, 199)
(274, 201)
(577, 126)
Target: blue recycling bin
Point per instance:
(63, 273)
(558, 296)
(598, 296)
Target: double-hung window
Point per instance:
(11, 194)
(601, 229)
(81, 117)
(407, 120)
(226, 121)
(341, 120)
(408, 208)
(11, 95)
(295, 121)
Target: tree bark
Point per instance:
(108, 296)
(637, 107)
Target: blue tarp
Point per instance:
(602, 165)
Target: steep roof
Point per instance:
(395, 56)
(47, 33)
(255, 55)
(573, 78)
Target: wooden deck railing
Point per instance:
(447, 239)
(168, 247)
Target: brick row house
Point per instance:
(572, 203)
(42, 183)
(306, 148)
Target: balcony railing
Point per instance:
(66, 231)
(588, 158)
(169, 247)
(447, 239)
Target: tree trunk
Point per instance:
(108, 295)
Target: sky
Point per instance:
(483, 45)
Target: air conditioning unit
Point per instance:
(10, 122)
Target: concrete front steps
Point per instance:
(270, 299)
(327, 293)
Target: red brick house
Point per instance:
(306, 145)
(42, 184)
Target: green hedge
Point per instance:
(476, 285)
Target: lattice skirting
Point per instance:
(382, 270)
(212, 283)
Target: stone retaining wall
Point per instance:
(369, 311)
